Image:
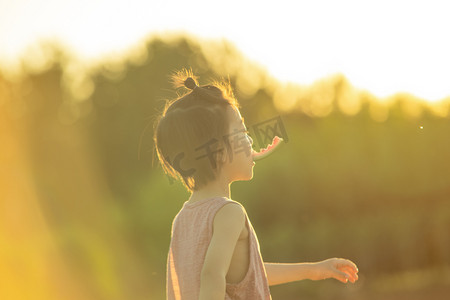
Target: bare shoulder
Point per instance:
(229, 214)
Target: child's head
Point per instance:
(201, 136)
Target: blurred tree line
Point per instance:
(360, 177)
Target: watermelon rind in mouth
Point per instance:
(263, 153)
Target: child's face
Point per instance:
(239, 161)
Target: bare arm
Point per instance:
(228, 224)
(337, 268)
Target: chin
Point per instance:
(246, 177)
(249, 177)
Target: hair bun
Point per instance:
(190, 83)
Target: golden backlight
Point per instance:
(363, 91)
(384, 47)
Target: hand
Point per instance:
(337, 268)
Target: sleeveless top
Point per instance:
(192, 230)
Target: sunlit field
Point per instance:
(86, 210)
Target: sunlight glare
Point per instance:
(384, 47)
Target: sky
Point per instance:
(382, 46)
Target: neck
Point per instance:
(217, 188)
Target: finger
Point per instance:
(353, 278)
(353, 266)
(353, 275)
(341, 276)
(347, 263)
(349, 270)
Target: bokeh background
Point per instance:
(86, 210)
